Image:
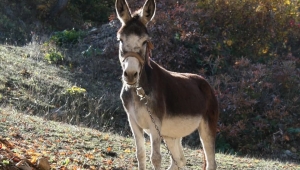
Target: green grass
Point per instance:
(54, 57)
(67, 37)
(84, 148)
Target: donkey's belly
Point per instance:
(177, 127)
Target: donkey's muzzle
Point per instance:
(130, 77)
(131, 73)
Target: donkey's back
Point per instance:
(186, 94)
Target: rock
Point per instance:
(288, 152)
(43, 164)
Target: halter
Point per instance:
(139, 57)
(136, 55)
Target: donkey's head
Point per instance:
(134, 39)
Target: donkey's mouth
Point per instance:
(131, 84)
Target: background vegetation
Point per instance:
(248, 50)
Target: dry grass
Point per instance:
(83, 148)
(29, 83)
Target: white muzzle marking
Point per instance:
(131, 70)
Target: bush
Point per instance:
(92, 10)
(249, 51)
(256, 101)
(67, 37)
(228, 30)
(54, 57)
(253, 28)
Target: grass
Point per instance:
(30, 83)
(75, 147)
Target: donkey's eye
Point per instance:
(145, 42)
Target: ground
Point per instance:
(73, 147)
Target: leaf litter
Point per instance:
(39, 144)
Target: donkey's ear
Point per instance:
(148, 11)
(123, 11)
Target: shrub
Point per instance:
(248, 51)
(252, 28)
(54, 57)
(67, 37)
(194, 35)
(92, 10)
(256, 101)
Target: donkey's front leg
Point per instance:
(155, 147)
(139, 143)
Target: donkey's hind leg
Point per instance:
(207, 137)
(175, 147)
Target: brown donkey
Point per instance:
(178, 103)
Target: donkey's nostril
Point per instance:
(135, 74)
(125, 74)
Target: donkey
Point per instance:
(177, 103)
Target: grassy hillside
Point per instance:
(66, 69)
(72, 147)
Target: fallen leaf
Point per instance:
(89, 156)
(75, 168)
(286, 137)
(63, 168)
(16, 159)
(106, 137)
(62, 153)
(108, 162)
(6, 143)
(127, 150)
(33, 159)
